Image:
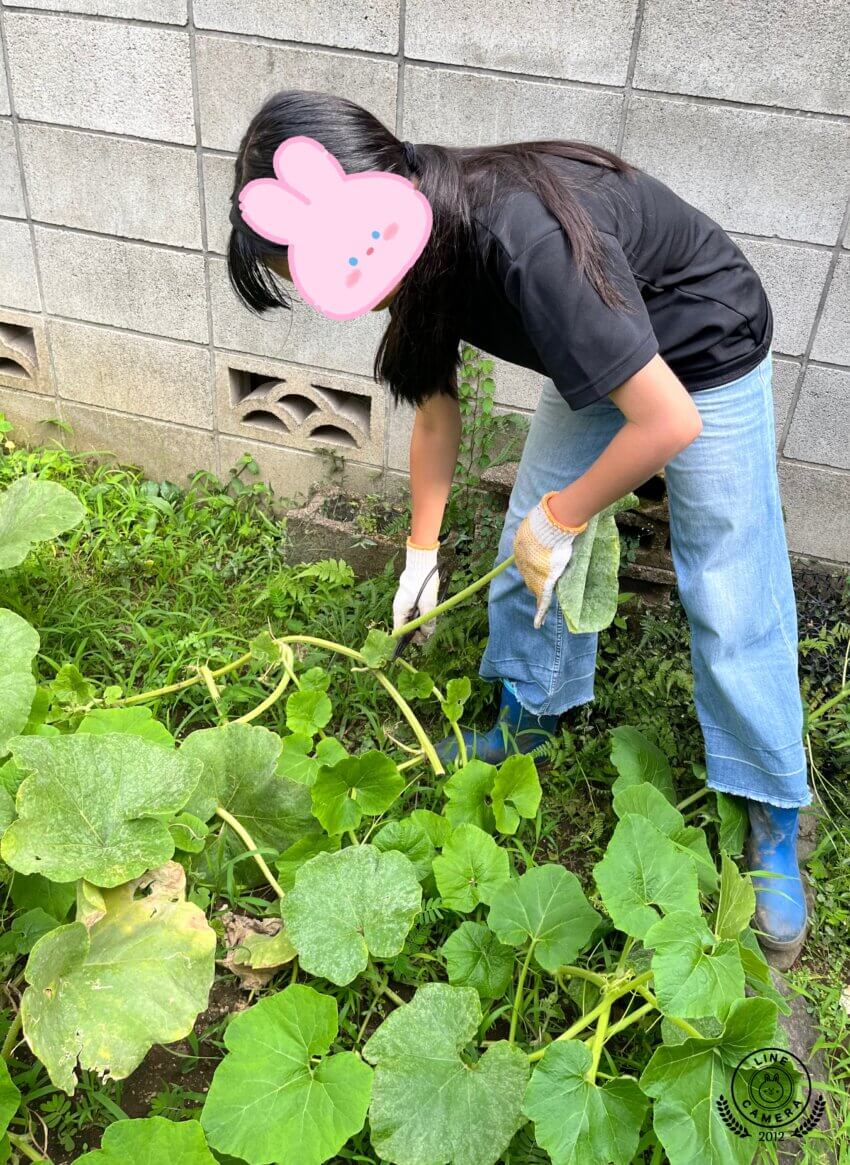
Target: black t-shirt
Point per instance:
(690, 292)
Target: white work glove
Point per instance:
(543, 549)
(419, 562)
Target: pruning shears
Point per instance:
(414, 613)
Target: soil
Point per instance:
(166, 1067)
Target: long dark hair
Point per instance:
(418, 353)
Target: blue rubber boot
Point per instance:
(781, 917)
(516, 731)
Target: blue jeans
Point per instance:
(733, 575)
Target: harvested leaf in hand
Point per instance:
(588, 588)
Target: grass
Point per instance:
(159, 580)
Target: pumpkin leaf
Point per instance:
(300, 852)
(378, 648)
(342, 793)
(238, 773)
(734, 823)
(547, 907)
(296, 761)
(33, 510)
(277, 1096)
(349, 905)
(643, 870)
(467, 794)
(588, 588)
(687, 1079)
(408, 838)
(470, 869)
(475, 958)
(151, 1140)
(579, 1123)
(737, 900)
(93, 807)
(637, 759)
(695, 976)
(10, 1097)
(132, 721)
(650, 802)
(516, 792)
(139, 975)
(437, 827)
(308, 711)
(17, 682)
(430, 1105)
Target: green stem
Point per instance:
(693, 798)
(824, 708)
(441, 608)
(23, 1146)
(251, 846)
(406, 711)
(271, 698)
(328, 644)
(209, 680)
(12, 1036)
(598, 1041)
(167, 691)
(414, 760)
(683, 1024)
(353, 837)
(520, 987)
(591, 1016)
(624, 954)
(410, 716)
(581, 973)
(461, 743)
(632, 1017)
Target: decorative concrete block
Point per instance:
(5, 104)
(159, 11)
(18, 283)
(586, 40)
(249, 73)
(164, 451)
(292, 475)
(768, 53)
(785, 375)
(136, 189)
(471, 109)
(30, 416)
(98, 74)
(820, 429)
(128, 285)
(301, 408)
(832, 339)
(817, 510)
(302, 336)
(347, 24)
(399, 429)
(516, 387)
(133, 374)
(793, 278)
(24, 358)
(11, 195)
(755, 172)
(219, 176)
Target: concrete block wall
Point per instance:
(118, 125)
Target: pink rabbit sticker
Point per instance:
(351, 237)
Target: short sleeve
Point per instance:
(587, 347)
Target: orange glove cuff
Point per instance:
(544, 501)
(415, 545)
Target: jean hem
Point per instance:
(752, 795)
